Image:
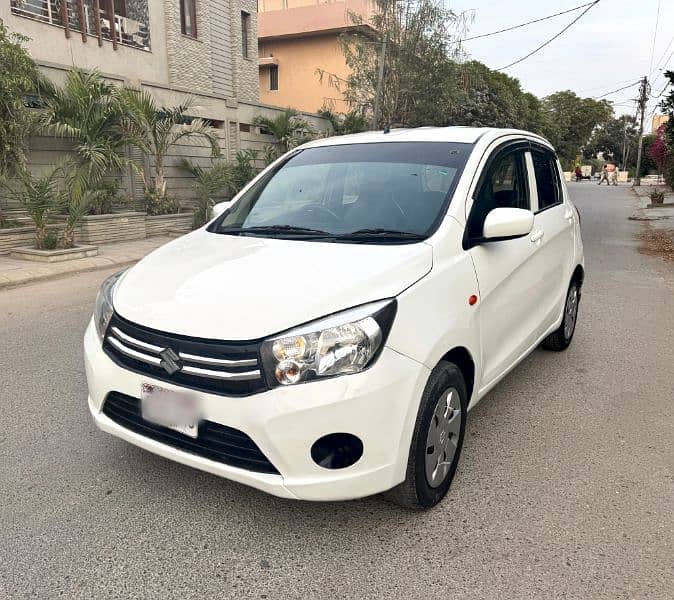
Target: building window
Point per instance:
(245, 28)
(244, 127)
(188, 17)
(273, 77)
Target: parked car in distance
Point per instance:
(325, 335)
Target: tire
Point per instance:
(421, 491)
(560, 339)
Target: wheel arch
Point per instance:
(462, 358)
(578, 275)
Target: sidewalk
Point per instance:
(15, 272)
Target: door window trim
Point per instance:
(552, 157)
(517, 145)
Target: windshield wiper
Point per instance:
(380, 233)
(284, 229)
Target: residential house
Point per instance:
(206, 49)
(302, 64)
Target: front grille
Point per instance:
(226, 368)
(215, 442)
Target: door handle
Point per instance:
(536, 236)
(568, 215)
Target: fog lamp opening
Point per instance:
(337, 450)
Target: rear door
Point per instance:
(509, 287)
(553, 219)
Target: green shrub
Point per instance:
(51, 240)
(157, 203)
(106, 198)
(657, 196)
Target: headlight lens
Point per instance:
(340, 344)
(103, 310)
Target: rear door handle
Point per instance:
(537, 235)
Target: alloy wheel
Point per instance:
(571, 312)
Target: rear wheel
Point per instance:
(437, 440)
(560, 339)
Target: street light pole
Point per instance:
(643, 98)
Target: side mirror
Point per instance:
(507, 223)
(221, 207)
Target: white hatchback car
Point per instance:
(324, 337)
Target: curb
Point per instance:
(6, 285)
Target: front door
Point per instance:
(509, 291)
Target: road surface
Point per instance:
(565, 487)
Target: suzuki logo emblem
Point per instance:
(170, 361)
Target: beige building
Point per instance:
(296, 39)
(206, 49)
(657, 121)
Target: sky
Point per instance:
(608, 48)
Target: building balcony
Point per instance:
(124, 22)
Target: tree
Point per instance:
(568, 121)
(154, 130)
(345, 123)
(417, 71)
(40, 196)
(659, 151)
(19, 77)
(615, 138)
(667, 105)
(87, 110)
(288, 127)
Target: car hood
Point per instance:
(242, 288)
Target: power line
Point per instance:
(477, 37)
(657, 64)
(618, 90)
(543, 45)
(655, 34)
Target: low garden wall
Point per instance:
(162, 224)
(17, 237)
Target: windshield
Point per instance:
(396, 191)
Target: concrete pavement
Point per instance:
(15, 272)
(565, 487)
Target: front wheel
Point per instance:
(560, 339)
(437, 440)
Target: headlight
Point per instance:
(343, 343)
(103, 310)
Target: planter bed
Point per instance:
(51, 256)
(168, 224)
(13, 237)
(114, 227)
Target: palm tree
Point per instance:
(40, 196)
(288, 127)
(154, 129)
(87, 110)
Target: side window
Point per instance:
(503, 185)
(547, 179)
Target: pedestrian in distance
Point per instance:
(578, 173)
(612, 174)
(604, 176)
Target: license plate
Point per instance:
(173, 409)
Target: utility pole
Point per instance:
(380, 86)
(643, 98)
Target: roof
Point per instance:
(466, 135)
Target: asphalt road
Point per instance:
(565, 488)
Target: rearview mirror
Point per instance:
(221, 207)
(507, 223)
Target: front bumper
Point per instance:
(378, 405)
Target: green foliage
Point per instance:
(569, 120)
(19, 77)
(51, 240)
(613, 137)
(106, 198)
(158, 203)
(288, 127)
(345, 123)
(647, 163)
(154, 130)
(87, 110)
(667, 105)
(40, 196)
(6, 223)
(210, 183)
(656, 196)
